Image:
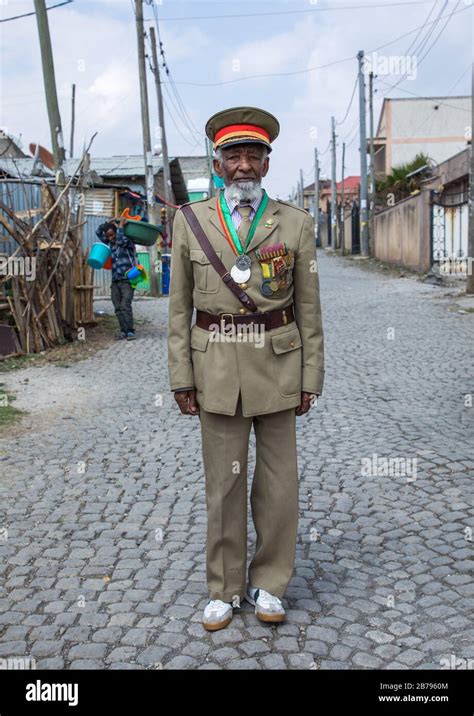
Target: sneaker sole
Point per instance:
(273, 618)
(215, 626)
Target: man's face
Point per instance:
(242, 163)
(110, 235)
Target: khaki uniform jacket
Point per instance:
(269, 378)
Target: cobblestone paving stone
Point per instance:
(103, 521)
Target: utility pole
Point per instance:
(302, 188)
(372, 164)
(147, 155)
(54, 116)
(316, 192)
(342, 198)
(333, 186)
(73, 113)
(364, 228)
(210, 165)
(470, 236)
(161, 116)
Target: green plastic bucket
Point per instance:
(141, 232)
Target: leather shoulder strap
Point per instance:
(206, 246)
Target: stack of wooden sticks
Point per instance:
(48, 284)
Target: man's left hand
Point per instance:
(307, 401)
(122, 222)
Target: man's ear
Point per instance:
(217, 168)
(266, 166)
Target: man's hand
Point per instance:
(187, 402)
(122, 222)
(307, 402)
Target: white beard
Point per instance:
(244, 191)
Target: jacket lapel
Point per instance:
(267, 225)
(214, 217)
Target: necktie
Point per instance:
(244, 226)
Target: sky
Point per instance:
(295, 58)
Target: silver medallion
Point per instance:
(238, 275)
(243, 262)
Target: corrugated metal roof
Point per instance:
(118, 165)
(22, 167)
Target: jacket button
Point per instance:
(242, 310)
(292, 345)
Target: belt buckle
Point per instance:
(221, 317)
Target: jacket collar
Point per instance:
(267, 225)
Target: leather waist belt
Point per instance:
(269, 319)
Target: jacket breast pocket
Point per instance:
(288, 348)
(206, 278)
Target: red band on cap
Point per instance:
(251, 130)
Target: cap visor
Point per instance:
(233, 142)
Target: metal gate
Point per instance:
(449, 228)
(355, 224)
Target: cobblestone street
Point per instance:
(103, 519)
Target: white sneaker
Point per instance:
(268, 608)
(217, 615)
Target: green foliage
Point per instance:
(397, 179)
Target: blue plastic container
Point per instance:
(133, 273)
(98, 255)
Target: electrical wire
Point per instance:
(316, 67)
(350, 101)
(187, 119)
(28, 14)
(296, 12)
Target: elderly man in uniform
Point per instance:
(254, 357)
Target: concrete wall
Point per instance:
(402, 233)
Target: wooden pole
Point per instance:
(470, 236)
(161, 119)
(54, 116)
(73, 113)
(372, 164)
(342, 198)
(147, 154)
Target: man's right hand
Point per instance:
(187, 402)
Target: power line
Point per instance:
(316, 67)
(419, 96)
(424, 121)
(439, 34)
(468, 68)
(176, 109)
(176, 123)
(295, 12)
(350, 101)
(349, 133)
(179, 106)
(402, 79)
(422, 28)
(28, 14)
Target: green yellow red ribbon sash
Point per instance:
(228, 225)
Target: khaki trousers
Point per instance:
(273, 499)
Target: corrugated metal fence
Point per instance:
(18, 196)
